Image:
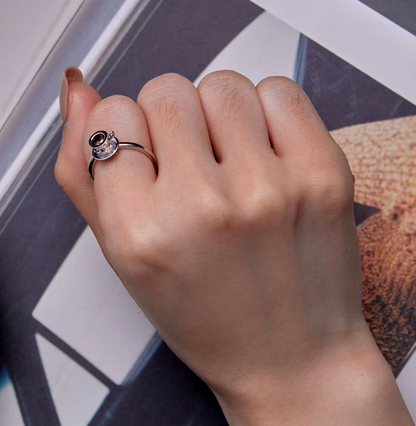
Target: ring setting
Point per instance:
(104, 145)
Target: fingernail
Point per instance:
(70, 74)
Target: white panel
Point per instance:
(88, 307)
(9, 408)
(77, 395)
(28, 31)
(266, 47)
(407, 385)
(358, 34)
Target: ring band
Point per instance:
(130, 145)
(105, 145)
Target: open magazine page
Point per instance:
(377, 130)
(77, 351)
(358, 34)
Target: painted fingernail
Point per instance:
(70, 74)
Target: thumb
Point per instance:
(77, 99)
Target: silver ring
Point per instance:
(105, 145)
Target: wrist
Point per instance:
(344, 386)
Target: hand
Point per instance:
(244, 258)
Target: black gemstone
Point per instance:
(97, 139)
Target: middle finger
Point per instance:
(177, 125)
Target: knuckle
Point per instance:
(213, 213)
(168, 111)
(217, 79)
(273, 81)
(169, 82)
(134, 251)
(278, 86)
(111, 106)
(258, 209)
(286, 95)
(232, 90)
(333, 192)
(263, 208)
(163, 96)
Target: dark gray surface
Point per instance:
(342, 94)
(402, 12)
(182, 37)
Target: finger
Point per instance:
(234, 116)
(317, 167)
(123, 182)
(176, 124)
(70, 170)
(297, 132)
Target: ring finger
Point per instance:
(235, 118)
